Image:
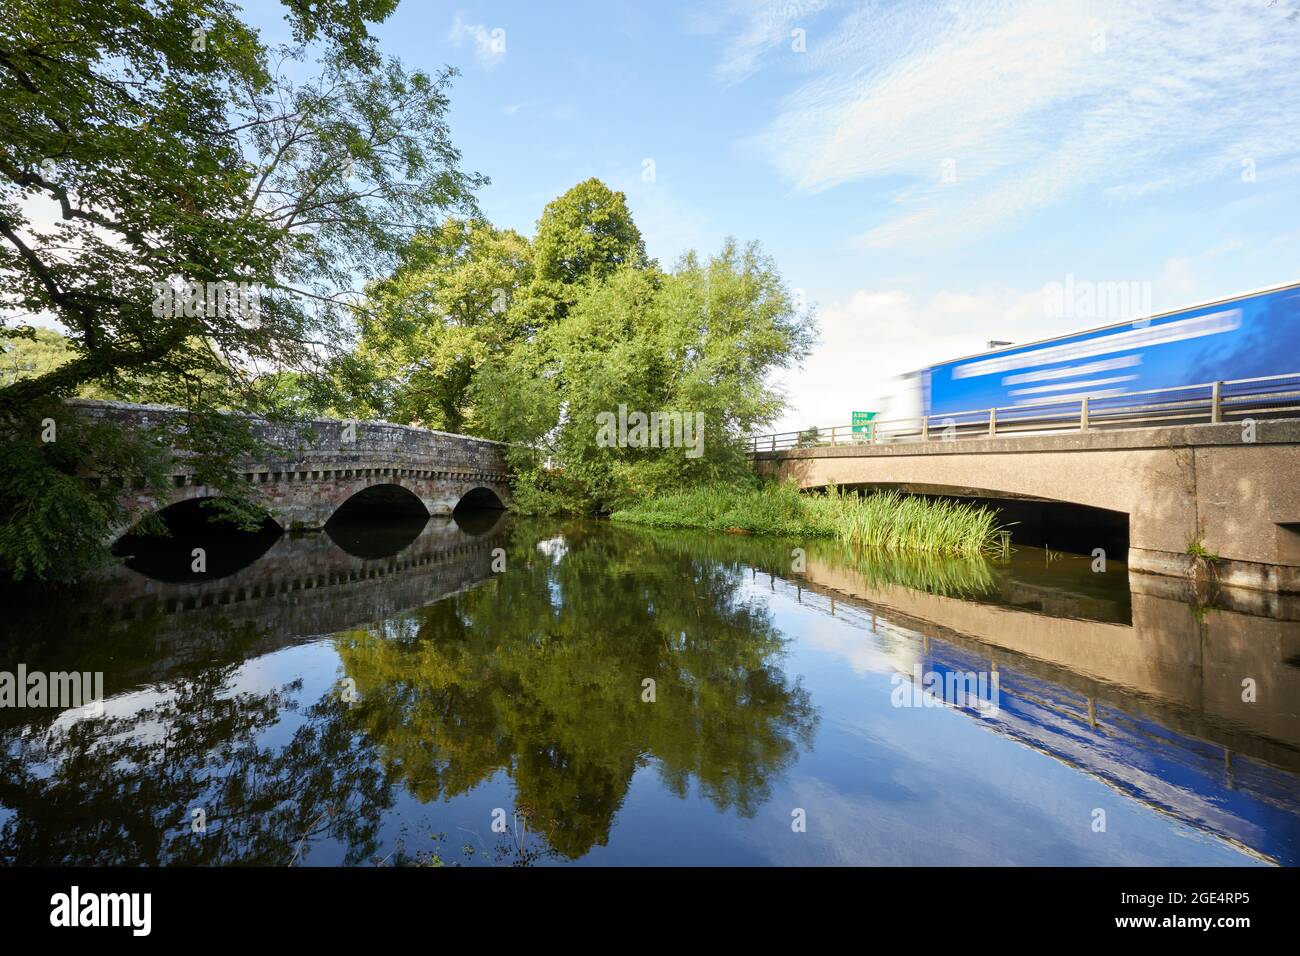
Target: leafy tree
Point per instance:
(810, 437)
(699, 341)
(300, 395)
(151, 142)
(583, 236)
(465, 292)
(442, 314)
(32, 353)
(586, 233)
(55, 520)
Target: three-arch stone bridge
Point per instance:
(1188, 491)
(318, 466)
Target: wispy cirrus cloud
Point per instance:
(976, 115)
(766, 25)
(489, 42)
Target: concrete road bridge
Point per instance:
(316, 467)
(1219, 499)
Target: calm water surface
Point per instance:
(383, 696)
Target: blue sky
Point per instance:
(919, 171)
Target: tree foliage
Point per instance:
(533, 342)
(148, 143)
(699, 342)
(584, 236)
(442, 314)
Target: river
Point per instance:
(503, 691)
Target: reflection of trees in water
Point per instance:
(517, 847)
(539, 674)
(121, 790)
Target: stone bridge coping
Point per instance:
(307, 469)
(172, 410)
(262, 475)
(181, 478)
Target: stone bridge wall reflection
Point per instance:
(139, 630)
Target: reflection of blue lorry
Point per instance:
(1249, 336)
(1234, 797)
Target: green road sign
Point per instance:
(862, 424)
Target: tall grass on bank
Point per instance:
(883, 521)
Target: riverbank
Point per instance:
(885, 521)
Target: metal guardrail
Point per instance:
(1208, 402)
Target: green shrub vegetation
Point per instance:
(884, 521)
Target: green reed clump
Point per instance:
(883, 521)
(948, 575)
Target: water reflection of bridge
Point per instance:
(316, 585)
(1153, 707)
(302, 586)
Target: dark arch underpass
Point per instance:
(189, 525)
(380, 502)
(1036, 522)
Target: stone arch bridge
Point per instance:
(318, 466)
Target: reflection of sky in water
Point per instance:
(881, 784)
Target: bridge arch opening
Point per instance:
(479, 499)
(378, 522)
(1038, 522)
(380, 502)
(479, 511)
(194, 543)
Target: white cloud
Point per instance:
(874, 335)
(489, 42)
(1032, 102)
(766, 25)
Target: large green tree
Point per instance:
(700, 342)
(448, 308)
(464, 293)
(147, 143)
(586, 233)
(583, 237)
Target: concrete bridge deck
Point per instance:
(1220, 489)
